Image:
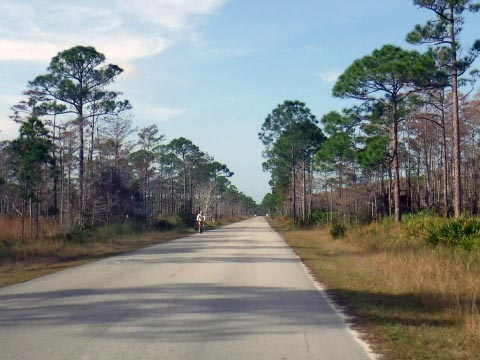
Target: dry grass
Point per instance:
(11, 229)
(417, 302)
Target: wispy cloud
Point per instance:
(27, 50)
(207, 49)
(329, 77)
(36, 30)
(8, 128)
(161, 113)
(226, 52)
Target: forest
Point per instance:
(79, 161)
(408, 144)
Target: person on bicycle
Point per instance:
(200, 221)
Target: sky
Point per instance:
(207, 70)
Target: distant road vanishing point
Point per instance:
(238, 292)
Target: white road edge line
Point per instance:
(346, 319)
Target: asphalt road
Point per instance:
(238, 292)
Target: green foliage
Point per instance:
(387, 221)
(339, 146)
(77, 77)
(31, 151)
(291, 136)
(448, 16)
(169, 222)
(375, 140)
(375, 153)
(387, 71)
(417, 225)
(281, 119)
(272, 203)
(462, 233)
(117, 229)
(104, 233)
(3, 251)
(320, 217)
(337, 230)
(78, 236)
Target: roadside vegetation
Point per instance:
(23, 260)
(413, 288)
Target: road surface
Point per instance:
(238, 292)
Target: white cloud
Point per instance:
(8, 128)
(329, 77)
(9, 100)
(123, 30)
(161, 113)
(132, 46)
(226, 52)
(206, 49)
(172, 14)
(26, 50)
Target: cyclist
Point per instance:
(200, 221)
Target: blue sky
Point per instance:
(208, 70)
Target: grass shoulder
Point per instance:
(411, 300)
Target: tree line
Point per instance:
(408, 144)
(80, 161)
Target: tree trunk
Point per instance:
(396, 169)
(310, 177)
(457, 182)
(445, 163)
(304, 188)
(55, 171)
(37, 215)
(409, 181)
(390, 192)
(80, 172)
(294, 210)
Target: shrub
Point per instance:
(462, 233)
(162, 224)
(418, 224)
(337, 230)
(3, 251)
(320, 217)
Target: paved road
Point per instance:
(234, 293)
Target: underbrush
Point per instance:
(459, 233)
